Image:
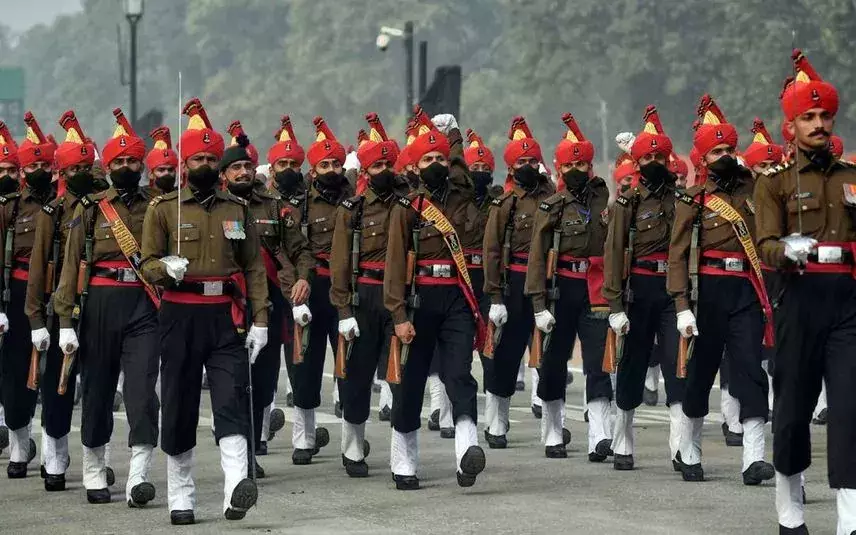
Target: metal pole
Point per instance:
(132, 22)
(408, 67)
(423, 68)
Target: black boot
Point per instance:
(289, 399)
(536, 411)
(261, 449)
(98, 496)
(141, 494)
(111, 477)
(556, 452)
(243, 497)
(690, 472)
(337, 409)
(322, 438)
(355, 468)
(16, 470)
(301, 456)
(384, 414)
(434, 421)
(802, 530)
(447, 432)
(4, 438)
(520, 386)
(472, 464)
(820, 419)
(277, 421)
(650, 397)
(622, 462)
(566, 436)
(54, 483)
(182, 518)
(260, 472)
(757, 472)
(601, 451)
(496, 442)
(405, 482)
(731, 438)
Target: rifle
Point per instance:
(552, 267)
(83, 273)
(614, 351)
(301, 333)
(36, 356)
(398, 351)
(344, 347)
(494, 332)
(8, 250)
(686, 346)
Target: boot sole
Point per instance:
(473, 461)
(244, 496)
(277, 420)
(142, 493)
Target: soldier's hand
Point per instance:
(445, 123)
(41, 339)
(798, 247)
(257, 339)
(68, 341)
(687, 324)
(302, 315)
(176, 266)
(544, 321)
(349, 328)
(299, 292)
(405, 332)
(352, 161)
(625, 140)
(498, 314)
(4, 323)
(620, 323)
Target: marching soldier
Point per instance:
(635, 266)
(161, 162)
(316, 215)
(564, 278)
(432, 306)
(806, 228)
(102, 296)
(727, 305)
(356, 287)
(238, 170)
(200, 244)
(507, 238)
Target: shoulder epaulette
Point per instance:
(236, 199)
(4, 199)
(403, 201)
(623, 201)
(548, 204)
(776, 169)
(495, 191)
(685, 197)
(295, 201)
(86, 201)
(351, 202)
(156, 200)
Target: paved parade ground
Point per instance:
(520, 491)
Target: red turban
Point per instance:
(162, 153)
(574, 147)
(427, 137)
(807, 90)
(762, 148)
(326, 145)
(8, 147)
(286, 146)
(75, 150)
(713, 129)
(36, 148)
(235, 129)
(836, 146)
(125, 142)
(678, 166)
(652, 139)
(477, 151)
(522, 144)
(200, 136)
(376, 146)
(624, 167)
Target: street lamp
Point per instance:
(383, 38)
(133, 12)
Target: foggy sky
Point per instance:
(22, 14)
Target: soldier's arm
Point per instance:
(770, 216)
(250, 259)
(154, 246)
(613, 257)
(395, 271)
(536, 271)
(34, 307)
(340, 264)
(677, 278)
(66, 290)
(493, 235)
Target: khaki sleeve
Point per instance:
(154, 246)
(340, 263)
(677, 278)
(395, 271)
(493, 234)
(770, 216)
(66, 290)
(536, 270)
(4, 224)
(34, 307)
(613, 258)
(297, 255)
(250, 258)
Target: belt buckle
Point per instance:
(476, 259)
(829, 254)
(582, 266)
(662, 266)
(441, 271)
(733, 264)
(212, 288)
(126, 275)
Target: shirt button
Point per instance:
(831, 205)
(833, 232)
(804, 208)
(212, 260)
(210, 236)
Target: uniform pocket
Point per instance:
(812, 215)
(189, 238)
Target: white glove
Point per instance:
(256, 341)
(445, 122)
(625, 141)
(41, 339)
(302, 315)
(351, 161)
(68, 341)
(620, 323)
(349, 328)
(4, 323)
(798, 247)
(498, 315)
(544, 321)
(686, 322)
(176, 266)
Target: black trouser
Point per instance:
(266, 367)
(119, 332)
(652, 313)
(477, 279)
(444, 320)
(193, 336)
(574, 317)
(816, 341)
(729, 318)
(306, 377)
(371, 346)
(500, 372)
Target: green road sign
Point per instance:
(12, 99)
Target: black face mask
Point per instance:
(434, 176)
(481, 180)
(413, 179)
(8, 184)
(203, 178)
(655, 175)
(165, 183)
(124, 178)
(331, 180)
(38, 180)
(575, 180)
(527, 177)
(623, 187)
(725, 172)
(383, 182)
(241, 189)
(286, 181)
(80, 183)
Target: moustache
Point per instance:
(820, 132)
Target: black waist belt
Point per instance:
(205, 288)
(520, 261)
(840, 256)
(437, 271)
(118, 274)
(574, 266)
(374, 274)
(17, 264)
(652, 265)
(473, 259)
(736, 265)
(322, 263)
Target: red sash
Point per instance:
(20, 273)
(237, 299)
(270, 267)
(593, 276)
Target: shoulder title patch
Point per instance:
(623, 201)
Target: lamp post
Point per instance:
(133, 12)
(382, 42)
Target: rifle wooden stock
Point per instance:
(33, 373)
(551, 263)
(609, 364)
(393, 365)
(297, 349)
(81, 276)
(683, 357)
(536, 348)
(411, 267)
(341, 357)
(489, 346)
(65, 373)
(50, 273)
